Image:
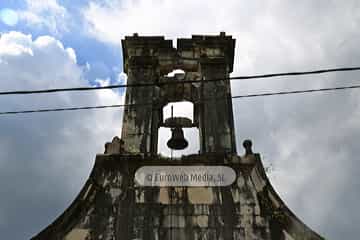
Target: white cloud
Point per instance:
(14, 44)
(263, 30)
(150, 17)
(48, 14)
(51, 152)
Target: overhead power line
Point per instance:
(271, 75)
(144, 104)
(297, 91)
(67, 109)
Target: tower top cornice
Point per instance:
(186, 55)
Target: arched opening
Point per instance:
(180, 109)
(176, 72)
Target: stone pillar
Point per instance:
(139, 121)
(216, 116)
(142, 63)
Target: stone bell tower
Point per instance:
(147, 60)
(114, 206)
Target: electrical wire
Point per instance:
(297, 91)
(271, 75)
(71, 108)
(145, 104)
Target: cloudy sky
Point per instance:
(310, 140)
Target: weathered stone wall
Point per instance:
(111, 206)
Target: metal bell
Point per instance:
(177, 140)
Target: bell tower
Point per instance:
(148, 60)
(114, 205)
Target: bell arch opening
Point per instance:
(184, 110)
(180, 109)
(178, 72)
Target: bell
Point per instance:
(177, 140)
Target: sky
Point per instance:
(311, 141)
